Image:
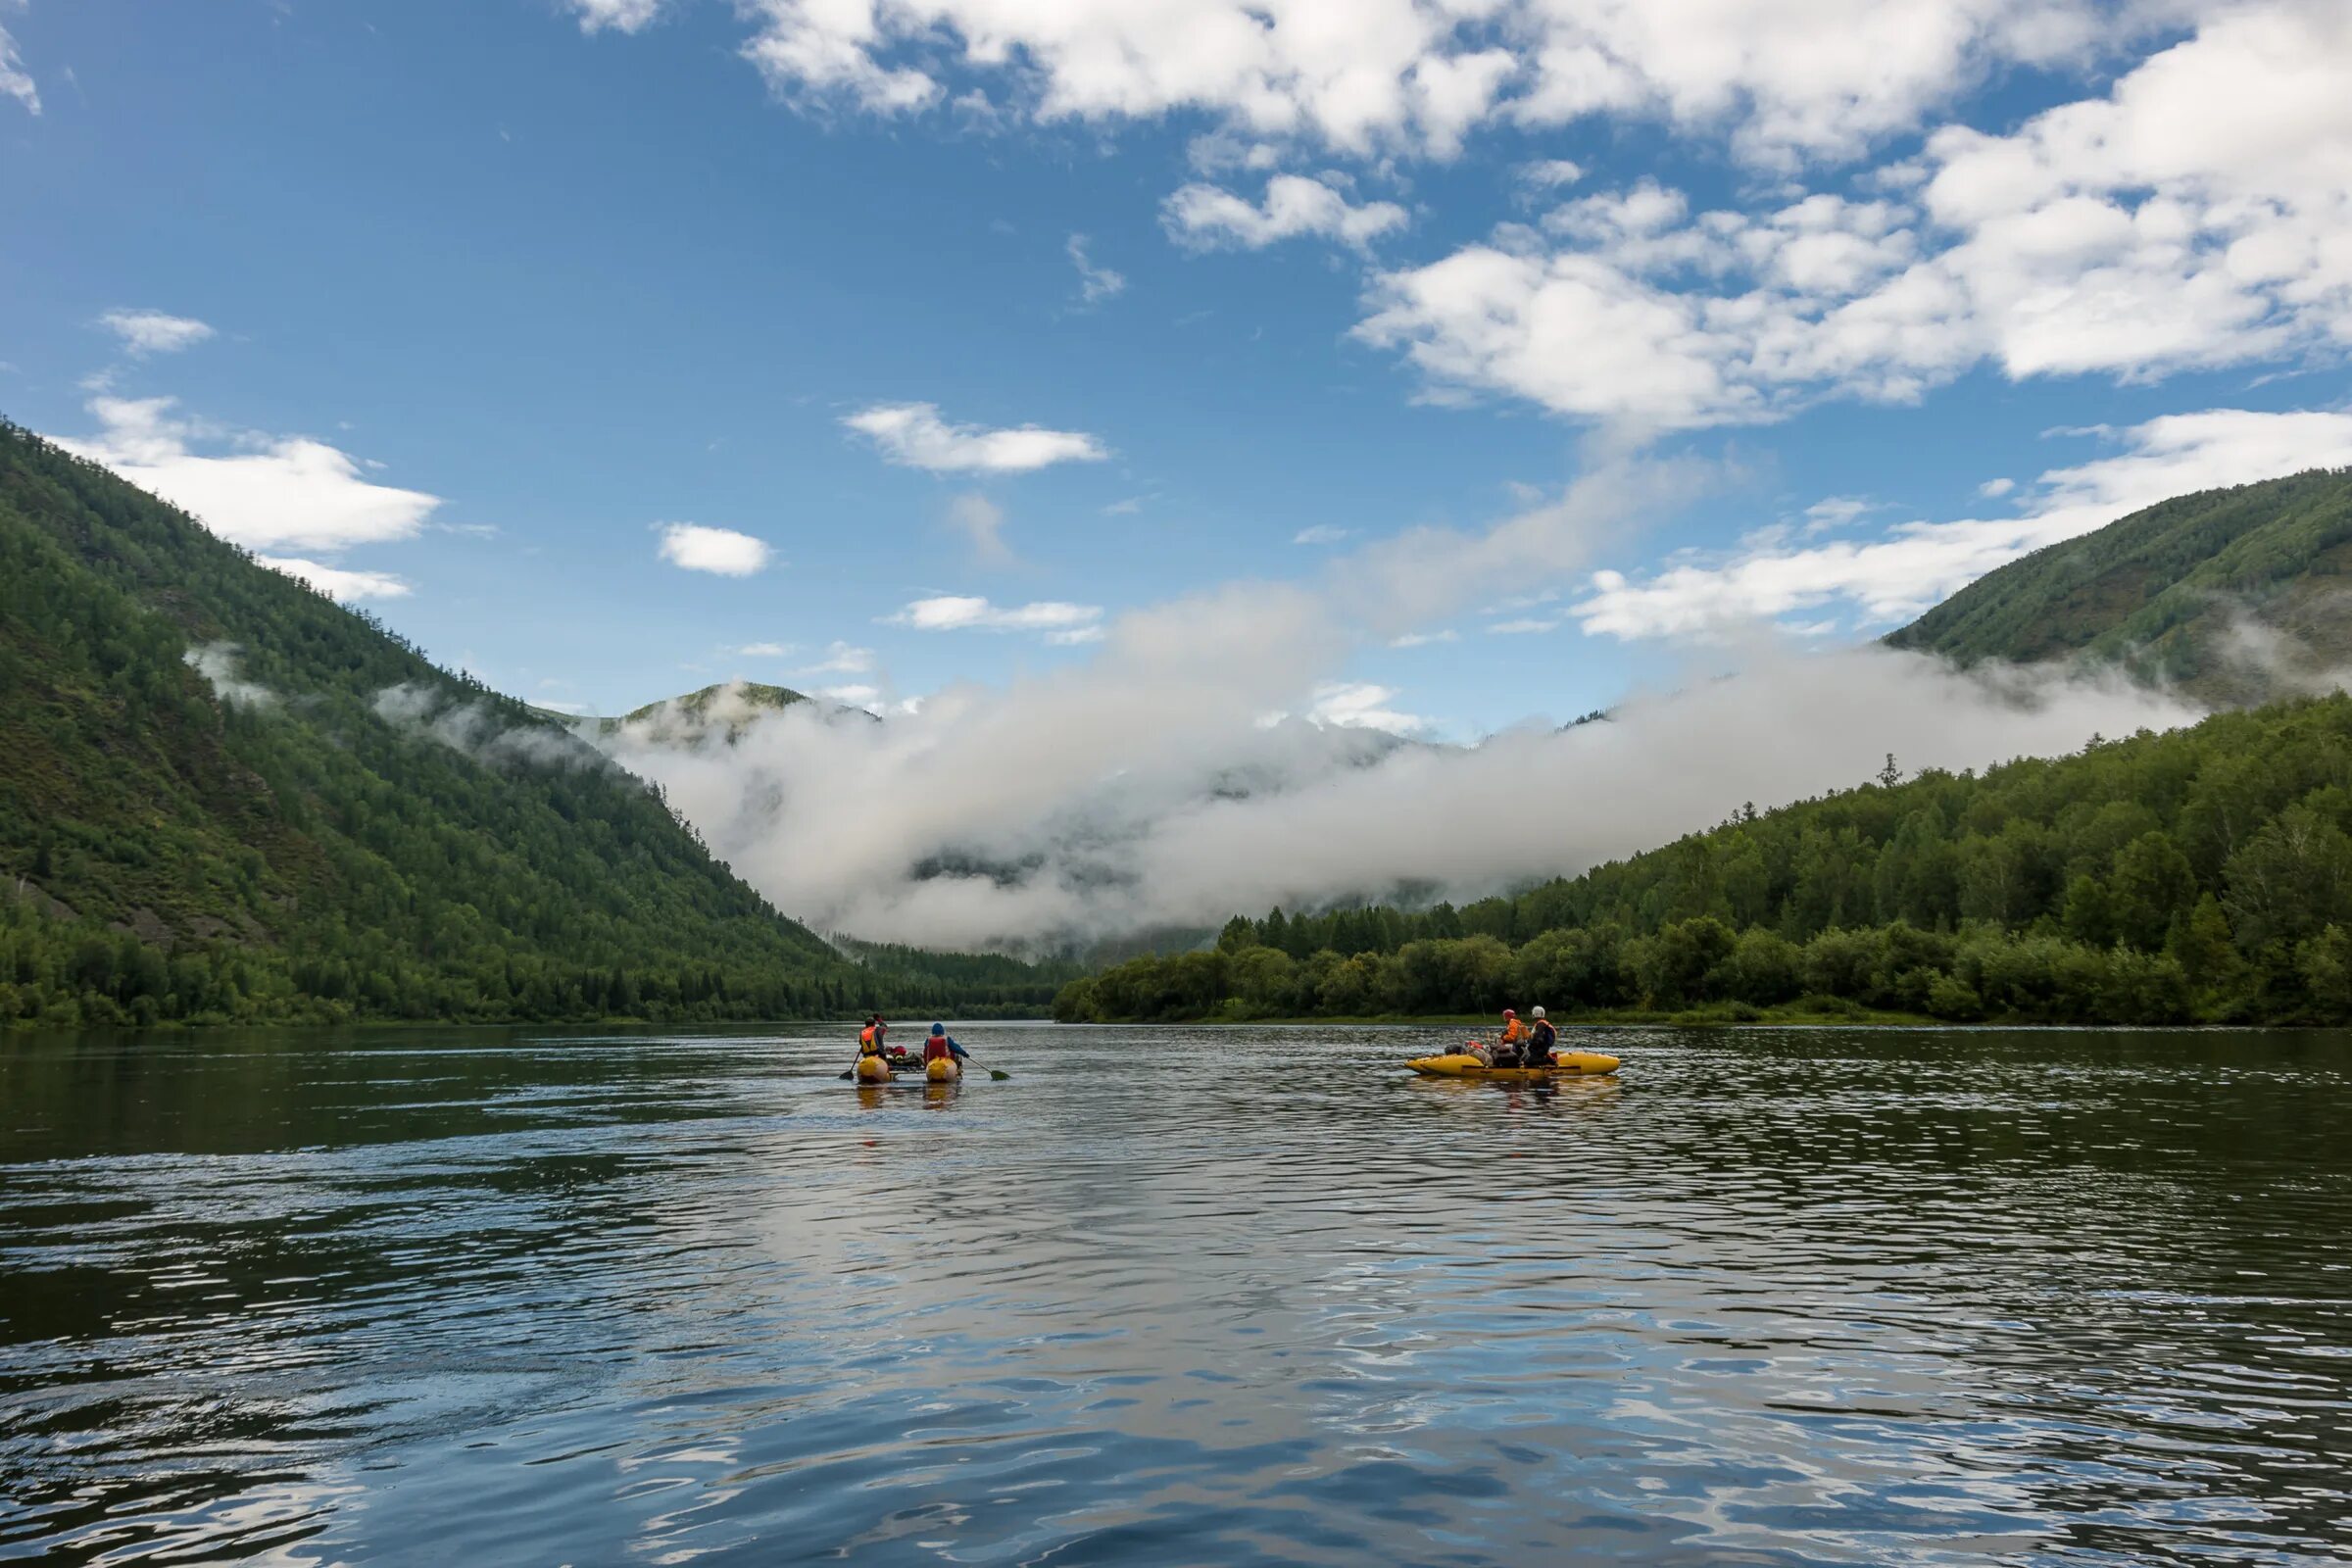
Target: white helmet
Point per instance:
(1538, 1013)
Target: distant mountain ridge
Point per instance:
(732, 705)
(2238, 596)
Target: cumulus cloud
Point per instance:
(1403, 76)
(765, 649)
(2194, 216)
(1322, 533)
(719, 551)
(913, 434)
(264, 492)
(1095, 283)
(340, 583)
(14, 82)
(1911, 567)
(1210, 218)
(145, 332)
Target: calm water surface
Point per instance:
(1176, 1296)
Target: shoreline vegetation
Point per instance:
(2200, 875)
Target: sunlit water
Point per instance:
(1176, 1296)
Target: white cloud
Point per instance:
(1322, 533)
(1360, 705)
(1910, 567)
(1994, 489)
(2194, 215)
(1210, 218)
(1832, 513)
(1124, 509)
(765, 649)
(982, 522)
(14, 82)
(1783, 78)
(1423, 639)
(265, 493)
(913, 434)
(339, 582)
(1099, 798)
(218, 664)
(145, 332)
(719, 551)
(840, 659)
(854, 696)
(950, 612)
(1095, 283)
(621, 16)
(1548, 175)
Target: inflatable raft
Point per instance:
(1564, 1064)
(883, 1069)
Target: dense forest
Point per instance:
(2238, 596)
(225, 798)
(2199, 874)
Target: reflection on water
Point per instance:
(1770, 1297)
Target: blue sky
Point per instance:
(581, 271)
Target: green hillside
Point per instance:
(734, 704)
(2203, 873)
(2170, 591)
(222, 797)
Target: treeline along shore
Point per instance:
(2198, 875)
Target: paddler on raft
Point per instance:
(874, 1062)
(944, 1047)
(1522, 1044)
(1514, 1035)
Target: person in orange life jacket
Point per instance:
(1514, 1035)
(873, 1039)
(1542, 1037)
(942, 1043)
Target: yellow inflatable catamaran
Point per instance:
(1564, 1064)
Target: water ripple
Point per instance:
(1768, 1297)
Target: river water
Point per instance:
(1769, 1297)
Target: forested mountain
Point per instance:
(224, 797)
(729, 707)
(2237, 595)
(2203, 873)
